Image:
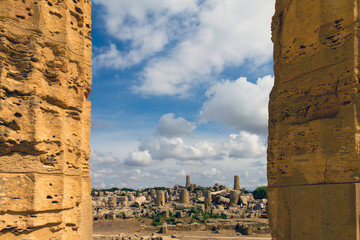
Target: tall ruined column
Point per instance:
(45, 79)
(237, 182)
(314, 129)
(187, 181)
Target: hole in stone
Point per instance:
(17, 114)
(50, 4)
(49, 197)
(50, 184)
(78, 10)
(55, 202)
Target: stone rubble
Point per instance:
(176, 203)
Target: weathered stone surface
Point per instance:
(184, 196)
(207, 199)
(45, 79)
(313, 147)
(234, 198)
(237, 182)
(187, 181)
(160, 198)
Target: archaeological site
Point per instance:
(313, 144)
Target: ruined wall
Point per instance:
(45, 79)
(314, 130)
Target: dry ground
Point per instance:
(132, 226)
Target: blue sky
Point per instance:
(180, 87)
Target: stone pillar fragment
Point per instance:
(112, 201)
(234, 198)
(45, 80)
(184, 196)
(187, 181)
(237, 182)
(313, 145)
(207, 199)
(160, 198)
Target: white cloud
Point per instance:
(147, 26)
(211, 173)
(162, 148)
(183, 42)
(229, 32)
(102, 158)
(169, 126)
(244, 145)
(239, 104)
(138, 158)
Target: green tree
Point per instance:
(260, 193)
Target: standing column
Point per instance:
(234, 198)
(187, 181)
(207, 199)
(313, 146)
(160, 198)
(184, 196)
(237, 182)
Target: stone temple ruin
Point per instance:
(225, 208)
(45, 79)
(314, 140)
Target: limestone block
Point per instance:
(184, 196)
(45, 80)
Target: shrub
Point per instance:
(260, 193)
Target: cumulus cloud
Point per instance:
(239, 104)
(101, 158)
(210, 173)
(162, 148)
(138, 158)
(145, 27)
(244, 145)
(169, 126)
(187, 40)
(228, 33)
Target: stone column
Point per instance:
(153, 193)
(237, 182)
(45, 80)
(234, 198)
(187, 181)
(314, 140)
(207, 199)
(112, 200)
(160, 198)
(184, 196)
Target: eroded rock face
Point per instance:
(313, 148)
(45, 79)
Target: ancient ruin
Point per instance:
(314, 141)
(237, 182)
(45, 79)
(187, 181)
(207, 209)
